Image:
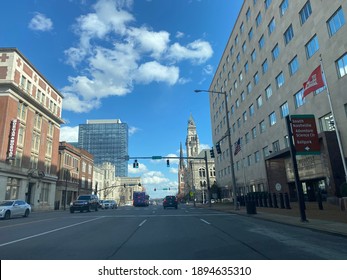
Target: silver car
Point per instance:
(11, 208)
(109, 204)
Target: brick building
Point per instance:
(30, 119)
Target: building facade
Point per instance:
(107, 141)
(75, 175)
(273, 48)
(30, 119)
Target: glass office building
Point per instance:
(107, 141)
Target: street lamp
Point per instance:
(229, 140)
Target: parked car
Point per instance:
(11, 208)
(85, 203)
(170, 201)
(109, 204)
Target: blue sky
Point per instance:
(138, 61)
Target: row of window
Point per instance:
(40, 97)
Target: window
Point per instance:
(288, 34)
(242, 28)
(293, 66)
(250, 34)
(266, 151)
(258, 19)
(271, 26)
(237, 103)
(254, 55)
(243, 97)
(262, 126)
(233, 67)
(246, 67)
(238, 58)
(272, 119)
(247, 137)
(268, 92)
(244, 116)
(240, 77)
(284, 110)
(244, 47)
(265, 66)
(254, 132)
(267, 3)
(299, 101)
(336, 22)
(305, 12)
(256, 78)
(256, 156)
(341, 65)
(251, 110)
(276, 146)
(280, 80)
(231, 50)
(248, 14)
(235, 85)
(312, 47)
(326, 123)
(275, 52)
(259, 101)
(249, 88)
(261, 42)
(236, 39)
(283, 7)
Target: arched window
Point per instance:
(202, 172)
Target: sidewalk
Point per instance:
(331, 219)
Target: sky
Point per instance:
(134, 60)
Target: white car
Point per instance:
(11, 208)
(109, 204)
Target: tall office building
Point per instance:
(107, 141)
(273, 48)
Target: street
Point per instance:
(152, 233)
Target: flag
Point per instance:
(314, 82)
(237, 146)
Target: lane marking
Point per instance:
(140, 225)
(206, 222)
(47, 232)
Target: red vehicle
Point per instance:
(140, 199)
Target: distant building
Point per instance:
(107, 141)
(273, 48)
(30, 119)
(75, 174)
(193, 175)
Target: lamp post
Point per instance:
(229, 140)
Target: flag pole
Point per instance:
(335, 121)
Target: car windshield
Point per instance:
(6, 203)
(84, 197)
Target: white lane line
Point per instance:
(206, 222)
(140, 225)
(47, 232)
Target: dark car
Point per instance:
(170, 201)
(85, 203)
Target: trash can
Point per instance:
(251, 207)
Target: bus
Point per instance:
(140, 199)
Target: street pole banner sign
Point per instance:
(305, 134)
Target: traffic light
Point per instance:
(155, 189)
(168, 163)
(212, 153)
(135, 164)
(218, 148)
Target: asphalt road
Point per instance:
(152, 233)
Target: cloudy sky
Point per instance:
(134, 60)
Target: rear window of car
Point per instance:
(84, 197)
(170, 198)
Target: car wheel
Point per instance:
(26, 214)
(96, 208)
(89, 208)
(7, 215)
(72, 210)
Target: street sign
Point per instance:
(305, 134)
(157, 157)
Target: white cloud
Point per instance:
(197, 51)
(155, 72)
(208, 70)
(41, 23)
(154, 178)
(69, 134)
(179, 34)
(133, 130)
(114, 56)
(204, 146)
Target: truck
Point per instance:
(140, 199)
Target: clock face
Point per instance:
(278, 187)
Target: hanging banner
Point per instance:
(12, 145)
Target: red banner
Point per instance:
(314, 82)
